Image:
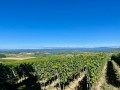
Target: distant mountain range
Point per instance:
(61, 48)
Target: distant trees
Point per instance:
(2, 56)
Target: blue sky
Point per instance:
(77, 23)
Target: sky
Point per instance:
(59, 23)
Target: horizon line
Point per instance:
(57, 47)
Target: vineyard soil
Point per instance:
(111, 82)
(73, 85)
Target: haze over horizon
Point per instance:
(66, 47)
(73, 23)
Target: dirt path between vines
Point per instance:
(75, 83)
(101, 80)
(51, 86)
(71, 86)
(117, 68)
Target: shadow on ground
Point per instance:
(82, 84)
(111, 75)
(27, 84)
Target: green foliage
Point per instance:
(2, 56)
(67, 67)
(6, 60)
(95, 65)
(70, 67)
(8, 78)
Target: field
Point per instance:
(64, 70)
(12, 58)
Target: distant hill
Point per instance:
(113, 50)
(58, 48)
(97, 49)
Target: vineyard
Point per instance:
(56, 73)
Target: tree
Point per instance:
(2, 56)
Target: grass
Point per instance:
(6, 60)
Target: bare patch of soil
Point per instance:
(75, 83)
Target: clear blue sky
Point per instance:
(35, 23)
